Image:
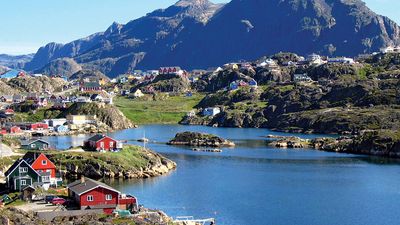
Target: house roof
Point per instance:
(31, 157)
(79, 187)
(98, 137)
(91, 84)
(16, 165)
(28, 142)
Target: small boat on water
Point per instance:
(206, 150)
(143, 139)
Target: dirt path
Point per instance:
(6, 151)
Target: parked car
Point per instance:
(49, 198)
(58, 201)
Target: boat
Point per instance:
(143, 139)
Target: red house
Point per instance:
(14, 130)
(100, 142)
(38, 126)
(44, 166)
(91, 194)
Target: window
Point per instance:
(108, 197)
(23, 182)
(23, 169)
(102, 145)
(90, 198)
(111, 144)
(33, 145)
(45, 179)
(44, 162)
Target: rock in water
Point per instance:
(200, 139)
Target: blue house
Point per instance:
(61, 129)
(233, 86)
(252, 83)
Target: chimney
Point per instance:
(82, 179)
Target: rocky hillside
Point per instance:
(82, 74)
(107, 114)
(37, 84)
(200, 34)
(62, 66)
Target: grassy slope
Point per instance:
(129, 157)
(166, 111)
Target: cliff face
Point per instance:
(199, 34)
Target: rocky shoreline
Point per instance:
(196, 139)
(370, 142)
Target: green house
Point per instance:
(35, 144)
(21, 175)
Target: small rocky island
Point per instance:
(130, 162)
(197, 139)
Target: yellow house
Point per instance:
(80, 119)
(116, 89)
(102, 82)
(131, 77)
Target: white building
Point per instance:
(138, 94)
(301, 78)
(342, 60)
(390, 49)
(315, 59)
(211, 111)
(57, 122)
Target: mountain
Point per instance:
(15, 61)
(62, 66)
(200, 34)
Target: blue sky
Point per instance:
(28, 24)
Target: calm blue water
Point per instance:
(255, 184)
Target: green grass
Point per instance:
(129, 157)
(169, 110)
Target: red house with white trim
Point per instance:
(38, 126)
(44, 166)
(91, 194)
(100, 142)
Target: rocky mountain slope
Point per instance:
(62, 66)
(15, 61)
(200, 34)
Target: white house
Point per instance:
(211, 111)
(315, 59)
(342, 60)
(390, 49)
(301, 78)
(56, 122)
(138, 94)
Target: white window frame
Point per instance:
(33, 145)
(23, 169)
(111, 144)
(45, 179)
(89, 198)
(108, 197)
(44, 162)
(102, 144)
(22, 182)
